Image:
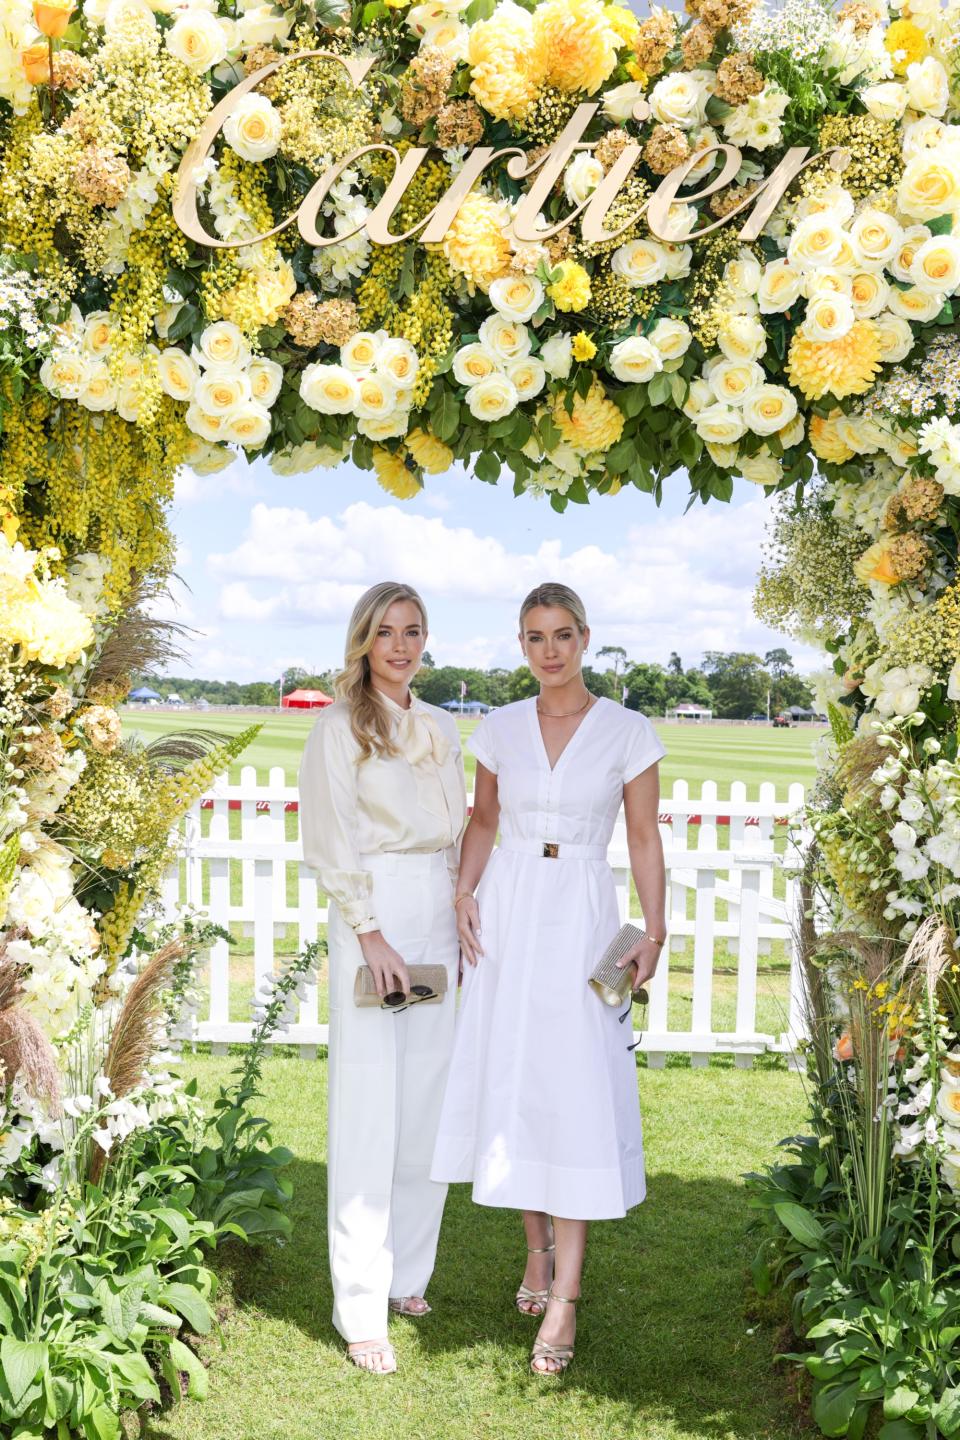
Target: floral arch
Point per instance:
(726, 243)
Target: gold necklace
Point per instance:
(562, 714)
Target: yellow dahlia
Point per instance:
(503, 57)
(476, 243)
(576, 42)
(393, 475)
(825, 441)
(595, 424)
(905, 43)
(430, 453)
(572, 290)
(847, 366)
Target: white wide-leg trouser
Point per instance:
(387, 1075)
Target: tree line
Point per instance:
(733, 684)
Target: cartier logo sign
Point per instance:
(541, 176)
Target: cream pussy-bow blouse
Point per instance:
(413, 802)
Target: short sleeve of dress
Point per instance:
(644, 749)
(481, 744)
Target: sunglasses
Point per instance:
(397, 1001)
(640, 997)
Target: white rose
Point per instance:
(828, 317)
(508, 339)
(449, 35)
(197, 40)
(917, 305)
(261, 25)
(253, 129)
(928, 86)
(742, 337)
(516, 297)
(248, 426)
(930, 184)
(875, 237)
(399, 360)
(671, 337)
(761, 469)
(913, 237)
(618, 102)
(699, 397)
(329, 389)
(793, 433)
(557, 355)
(640, 262)
(719, 424)
(178, 373)
(361, 351)
(702, 140)
(635, 360)
(376, 397)
(953, 682)
(219, 392)
(681, 98)
(936, 265)
(581, 177)
(119, 14)
(208, 427)
(869, 293)
(818, 240)
(388, 427)
(528, 376)
(780, 286)
(896, 337)
(678, 258)
(223, 343)
(769, 409)
(724, 456)
(886, 101)
(66, 374)
(474, 363)
(733, 381)
(265, 377)
(98, 333)
(492, 398)
(99, 393)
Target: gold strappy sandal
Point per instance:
(403, 1306)
(526, 1296)
(543, 1350)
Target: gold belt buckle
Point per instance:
(551, 850)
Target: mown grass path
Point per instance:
(667, 1349)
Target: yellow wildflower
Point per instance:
(572, 290)
(583, 347)
(393, 475)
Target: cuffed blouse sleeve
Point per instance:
(328, 822)
(644, 749)
(480, 744)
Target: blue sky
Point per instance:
(274, 565)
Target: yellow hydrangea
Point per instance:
(905, 43)
(583, 347)
(577, 43)
(572, 290)
(38, 619)
(847, 366)
(506, 65)
(259, 296)
(393, 475)
(431, 454)
(825, 441)
(594, 424)
(476, 243)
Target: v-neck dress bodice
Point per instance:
(541, 1109)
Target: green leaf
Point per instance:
(762, 1279)
(946, 1412)
(154, 1315)
(487, 467)
(190, 1304)
(137, 1376)
(184, 1359)
(802, 1225)
(898, 1402)
(22, 1361)
(445, 415)
(660, 390)
(175, 1221)
(942, 225)
(101, 1423)
(833, 1407)
(188, 317)
(899, 1430)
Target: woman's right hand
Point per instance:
(387, 967)
(468, 928)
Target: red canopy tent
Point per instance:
(306, 700)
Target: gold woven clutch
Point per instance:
(428, 985)
(612, 984)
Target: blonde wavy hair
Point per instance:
(553, 593)
(370, 719)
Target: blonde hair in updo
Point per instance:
(370, 719)
(561, 596)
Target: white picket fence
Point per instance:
(258, 881)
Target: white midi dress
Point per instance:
(541, 1109)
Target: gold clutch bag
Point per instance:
(610, 983)
(428, 985)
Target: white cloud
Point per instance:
(675, 583)
(239, 478)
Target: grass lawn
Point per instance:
(668, 1349)
(752, 753)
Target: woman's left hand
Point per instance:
(644, 956)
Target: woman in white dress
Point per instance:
(541, 1111)
(382, 805)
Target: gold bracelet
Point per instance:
(654, 940)
(465, 896)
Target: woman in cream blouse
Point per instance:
(383, 807)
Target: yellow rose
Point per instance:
(265, 377)
(360, 351)
(399, 360)
(875, 564)
(223, 344)
(921, 306)
(516, 297)
(527, 375)
(733, 381)
(895, 336)
(825, 440)
(817, 240)
(719, 424)
(492, 398)
(65, 375)
(52, 17)
(98, 333)
(780, 287)
(99, 393)
(36, 64)
(930, 184)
